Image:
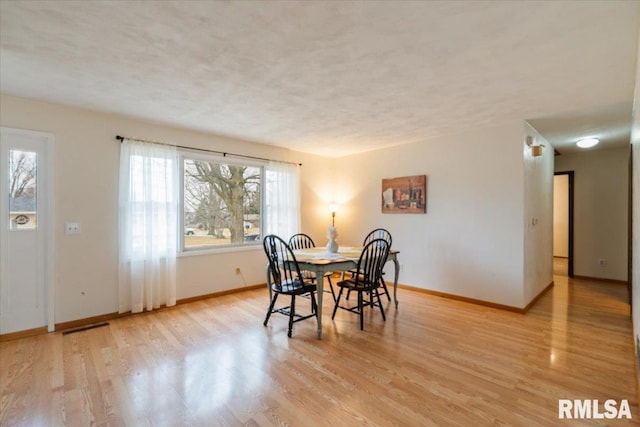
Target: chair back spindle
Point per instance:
(301, 241)
(371, 262)
(378, 233)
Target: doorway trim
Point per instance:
(571, 210)
(49, 234)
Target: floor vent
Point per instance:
(73, 331)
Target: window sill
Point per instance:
(221, 250)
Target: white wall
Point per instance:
(561, 216)
(538, 216)
(601, 184)
(86, 156)
(470, 242)
(635, 226)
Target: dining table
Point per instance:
(320, 261)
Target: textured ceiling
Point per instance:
(332, 78)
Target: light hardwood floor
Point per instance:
(434, 362)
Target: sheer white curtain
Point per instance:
(148, 225)
(282, 199)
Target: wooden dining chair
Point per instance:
(378, 233)
(303, 241)
(367, 280)
(286, 279)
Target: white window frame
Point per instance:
(185, 154)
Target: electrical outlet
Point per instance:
(72, 228)
(237, 270)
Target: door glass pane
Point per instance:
(22, 190)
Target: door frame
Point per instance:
(48, 187)
(571, 210)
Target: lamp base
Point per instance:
(332, 234)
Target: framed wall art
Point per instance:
(407, 194)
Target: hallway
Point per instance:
(560, 266)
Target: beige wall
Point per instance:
(470, 243)
(601, 194)
(86, 161)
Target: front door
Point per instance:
(25, 230)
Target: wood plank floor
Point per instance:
(434, 362)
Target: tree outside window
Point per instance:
(22, 190)
(222, 203)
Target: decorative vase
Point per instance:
(332, 235)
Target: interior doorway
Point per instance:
(563, 223)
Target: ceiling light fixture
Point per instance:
(587, 142)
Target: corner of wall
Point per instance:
(538, 159)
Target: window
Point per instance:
(222, 203)
(153, 203)
(22, 190)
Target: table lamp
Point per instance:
(332, 234)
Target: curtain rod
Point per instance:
(224, 153)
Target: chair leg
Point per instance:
(314, 305)
(384, 318)
(372, 302)
(349, 291)
(386, 291)
(333, 293)
(361, 310)
(273, 302)
(292, 313)
(335, 307)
